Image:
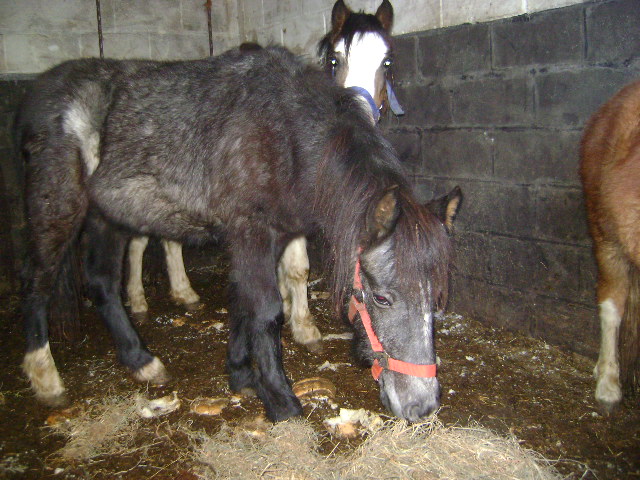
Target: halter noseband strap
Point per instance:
(382, 360)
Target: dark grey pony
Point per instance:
(256, 148)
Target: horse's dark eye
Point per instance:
(387, 63)
(333, 61)
(380, 300)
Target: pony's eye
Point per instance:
(380, 300)
(387, 63)
(333, 61)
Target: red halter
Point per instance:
(383, 360)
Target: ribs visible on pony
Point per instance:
(610, 172)
(256, 148)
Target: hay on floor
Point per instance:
(289, 450)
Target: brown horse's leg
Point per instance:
(613, 288)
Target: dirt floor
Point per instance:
(508, 383)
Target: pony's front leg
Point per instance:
(256, 323)
(293, 273)
(135, 289)
(181, 290)
(104, 254)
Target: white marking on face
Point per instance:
(427, 325)
(366, 55)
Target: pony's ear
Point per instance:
(384, 216)
(446, 208)
(339, 15)
(385, 15)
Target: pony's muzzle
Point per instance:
(408, 397)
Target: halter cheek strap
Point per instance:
(382, 360)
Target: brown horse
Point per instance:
(610, 170)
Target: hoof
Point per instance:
(315, 347)
(608, 395)
(193, 307)
(43, 376)
(248, 392)
(153, 373)
(140, 317)
(53, 400)
(186, 298)
(278, 413)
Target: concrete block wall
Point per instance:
(37, 34)
(300, 24)
(498, 108)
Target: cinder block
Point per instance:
(416, 16)
(495, 207)
(613, 33)
(157, 16)
(281, 12)
(50, 17)
(492, 305)
(182, 47)
(566, 272)
(425, 106)
(457, 153)
(560, 215)
(404, 68)
(408, 144)
(515, 263)
(457, 12)
(36, 53)
(473, 253)
(493, 101)
(535, 156)
(549, 37)
(572, 326)
(454, 51)
(89, 45)
(127, 45)
(539, 5)
(568, 99)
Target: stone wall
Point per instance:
(37, 34)
(299, 24)
(498, 108)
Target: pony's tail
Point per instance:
(66, 301)
(630, 336)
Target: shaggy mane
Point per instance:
(364, 167)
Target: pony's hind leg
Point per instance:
(181, 290)
(612, 291)
(105, 247)
(293, 273)
(55, 216)
(135, 289)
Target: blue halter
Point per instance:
(396, 108)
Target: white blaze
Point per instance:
(366, 54)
